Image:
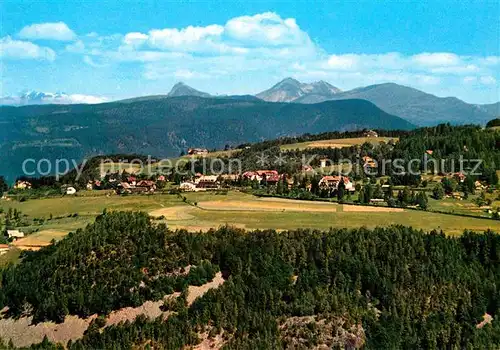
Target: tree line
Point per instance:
(406, 288)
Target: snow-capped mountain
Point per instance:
(38, 97)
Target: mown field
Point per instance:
(202, 211)
(337, 143)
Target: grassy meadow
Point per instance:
(337, 143)
(202, 211)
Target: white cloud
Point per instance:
(189, 39)
(135, 39)
(259, 49)
(457, 69)
(17, 49)
(189, 74)
(48, 31)
(88, 99)
(491, 60)
(240, 35)
(469, 79)
(343, 62)
(267, 29)
(427, 80)
(487, 80)
(436, 59)
(76, 47)
(90, 61)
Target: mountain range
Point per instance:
(416, 106)
(38, 98)
(413, 105)
(165, 126)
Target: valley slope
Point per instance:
(164, 127)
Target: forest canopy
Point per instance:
(392, 287)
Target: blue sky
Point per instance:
(97, 50)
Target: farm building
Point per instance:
(323, 162)
(460, 177)
(147, 184)
(197, 151)
(206, 178)
(4, 248)
(187, 186)
(15, 234)
(22, 185)
(332, 183)
(230, 177)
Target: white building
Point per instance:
(15, 234)
(187, 186)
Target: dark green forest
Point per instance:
(165, 127)
(387, 288)
(450, 145)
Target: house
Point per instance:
(376, 200)
(230, 177)
(15, 234)
(370, 133)
(460, 177)
(132, 180)
(323, 162)
(4, 248)
(125, 185)
(187, 186)
(160, 178)
(456, 195)
(197, 151)
(70, 190)
(266, 173)
(259, 175)
(207, 185)
(206, 178)
(89, 186)
(273, 179)
(479, 186)
(22, 185)
(251, 175)
(332, 183)
(145, 185)
(307, 168)
(429, 152)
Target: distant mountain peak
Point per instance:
(182, 89)
(290, 89)
(33, 97)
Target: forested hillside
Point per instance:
(388, 288)
(447, 145)
(165, 127)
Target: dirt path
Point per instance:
(370, 209)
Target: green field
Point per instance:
(238, 209)
(337, 143)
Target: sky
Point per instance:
(106, 50)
